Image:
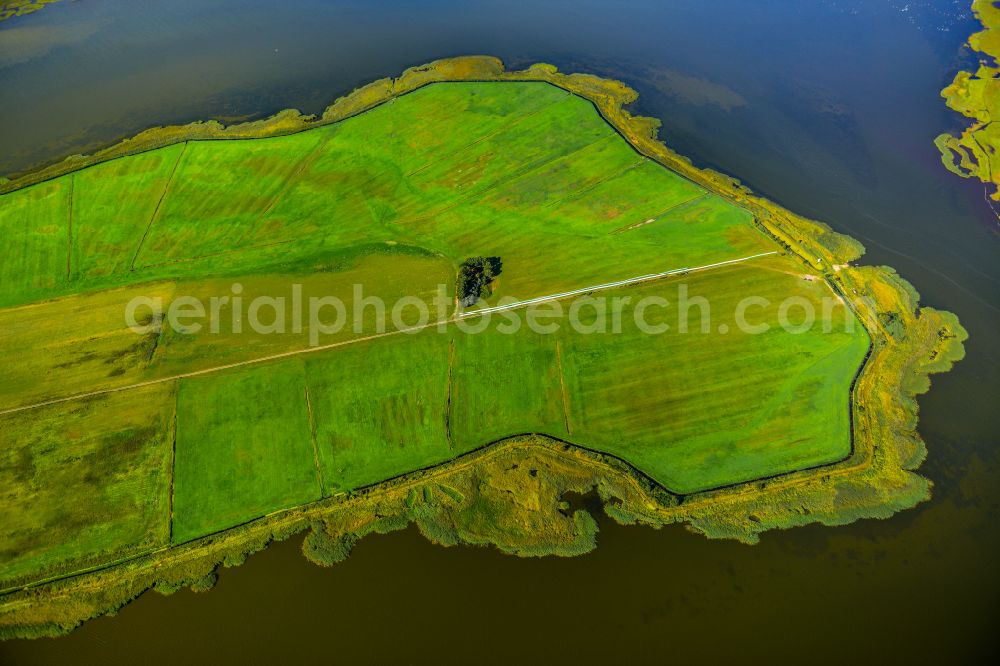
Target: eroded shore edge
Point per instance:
(510, 494)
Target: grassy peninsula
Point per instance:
(149, 461)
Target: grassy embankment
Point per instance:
(527, 173)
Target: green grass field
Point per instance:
(259, 424)
(393, 199)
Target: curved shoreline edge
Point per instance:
(489, 497)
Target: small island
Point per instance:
(147, 456)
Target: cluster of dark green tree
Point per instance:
(475, 278)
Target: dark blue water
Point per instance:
(829, 107)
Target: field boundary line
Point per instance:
(173, 467)
(159, 202)
(69, 227)
(312, 438)
(499, 184)
(540, 166)
(658, 216)
(562, 388)
(228, 366)
(587, 188)
(448, 394)
(401, 331)
(305, 162)
(212, 255)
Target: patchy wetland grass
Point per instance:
(477, 438)
(976, 95)
(85, 481)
